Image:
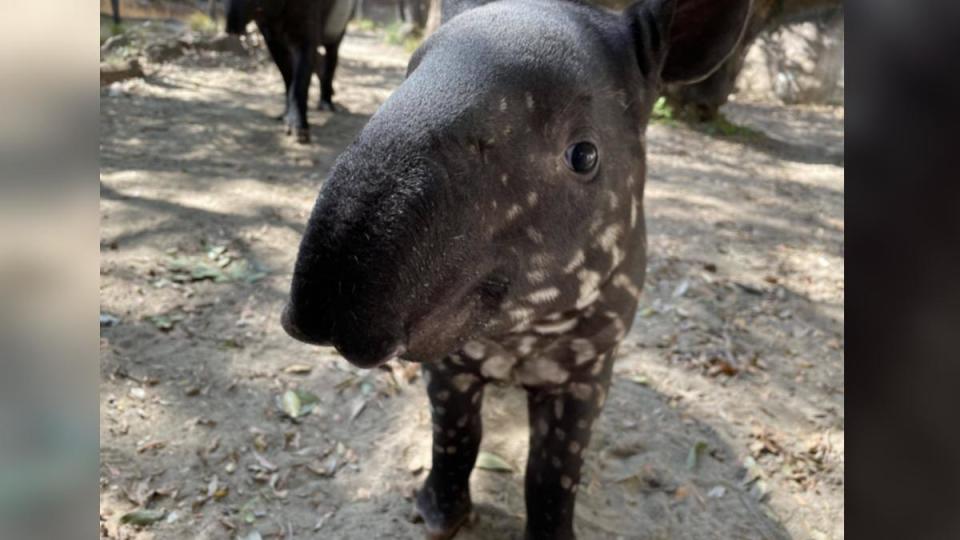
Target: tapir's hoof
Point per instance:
(440, 527)
(327, 106)
(303, 135)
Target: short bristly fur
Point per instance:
(488, 222)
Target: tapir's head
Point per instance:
(239, 13)
(502, 181)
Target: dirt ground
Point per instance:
(726, 416)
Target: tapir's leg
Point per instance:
(561, 420)
(326, 81)
(281, 57)
(455, 401)
(303, 57)
(318, 66)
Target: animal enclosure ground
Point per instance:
(726, 415)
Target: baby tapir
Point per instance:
(293, 30)
(488, 222)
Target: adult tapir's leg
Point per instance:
(561, 419)
(303, 58)
(326, 80)
(456, 396)
(281, 57)
(319, 65)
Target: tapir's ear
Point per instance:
(685, 40)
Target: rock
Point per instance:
(113, 72)
(165, 52)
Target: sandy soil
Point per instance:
(726, 417)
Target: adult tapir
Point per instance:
(293, 30)
(488, 222)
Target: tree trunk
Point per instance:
(115, 8)
(411, 11)
(212, 9)
(433, 17)
(701, 102)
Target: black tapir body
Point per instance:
(293, 30)
(488, 222)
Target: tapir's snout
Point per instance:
(373, 342)
(358, 282)
(292, 323)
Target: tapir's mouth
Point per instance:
(440, 328)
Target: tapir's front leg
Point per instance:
(326, 80)
(272, 36)
(456, 396)
(303, 58)
(561, 419)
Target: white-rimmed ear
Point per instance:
(684, 41)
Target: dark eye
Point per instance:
(581, 157)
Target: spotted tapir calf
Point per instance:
(292, 31)
(488, 222)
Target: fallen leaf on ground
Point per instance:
(323, 519)
(720, 365)
(298, 369)
(297, 403)
(696, 451)
(290, 403)
(263, 462)
(358, 405)
(143, 516)
(154, 445)
(717, 492)
(492, 462)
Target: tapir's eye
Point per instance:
(581, 157)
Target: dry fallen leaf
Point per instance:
(492, 462)
(263, 462)
(298, 369)
(358, 405)
(717, 492)
(143, 517)
(323, 519)
(297, 403)
(291, 404)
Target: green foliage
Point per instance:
(398, 33)
(109, 29)
(366, 25)
(202, 23)
(722, 127)
(662, 110)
